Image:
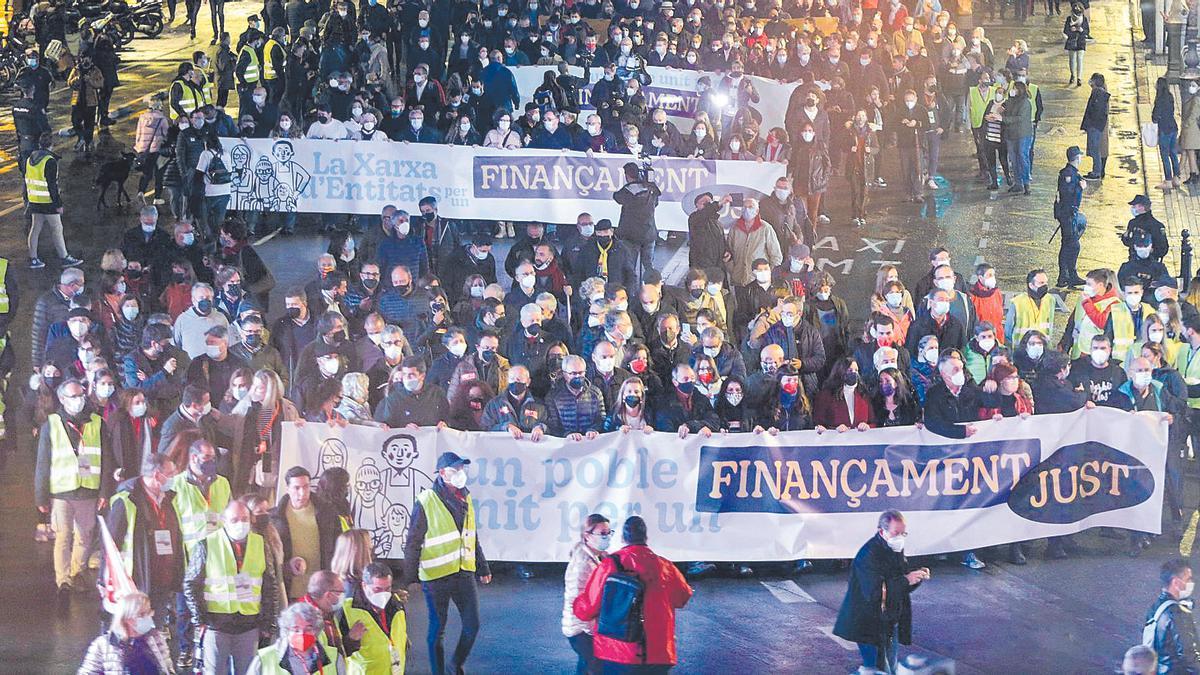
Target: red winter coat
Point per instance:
(666, 591)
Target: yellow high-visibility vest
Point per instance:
(3, 293)
(189, 99)
(378, 652)
(199, 516)
(446, 550)
(250, 75)
(72, 468)
(271, 70)
(227, 590)
(1039, 317)
(37, 188)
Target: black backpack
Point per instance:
(217, 173)
(621, 603)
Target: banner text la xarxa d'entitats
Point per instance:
(747, 497)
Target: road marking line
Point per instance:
(987, 211)
(12, 208)
(269, 237)
(788, 592)
(986, 225)
(983, 242)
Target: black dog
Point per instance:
(114, 172)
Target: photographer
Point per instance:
(638, 199)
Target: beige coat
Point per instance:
(747, 247)
(1189, 125)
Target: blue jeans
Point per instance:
(1094, 138)
(1021, 152)
(583, 646)
(459, 587)
(882, 656)
(214, 213)
(1169, 153)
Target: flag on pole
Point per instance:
(116, 583)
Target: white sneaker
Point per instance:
(823, 219)
(931, 184)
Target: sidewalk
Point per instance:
(1179, 209)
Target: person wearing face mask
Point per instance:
(1142, 266)
(515, 410)
(983, 347)
(574, 406)
(843, 403)
(1097, 373)
(1144, 231)
(225, 581)
(708, 245)
(684, 409)
(414, 402)
(145, 527)
(484, 364)
(880, 576)
(132, 642)
(1169, 627)
(1092, 314)
(594, 540)
(1031, 310)
(74, 472)
(1144, 391)
(299, 649)
(191, 326)
(444, 554)
(751, 239)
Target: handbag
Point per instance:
(1150, 134)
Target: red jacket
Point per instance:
(666, 591)
(829, 408)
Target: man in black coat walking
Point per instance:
(880, 577)
(1174, 626)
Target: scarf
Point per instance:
(751, 226)
(602, 263)
(1099, 307)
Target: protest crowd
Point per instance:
(161, 380)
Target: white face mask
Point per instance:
(1099, 357)
(762, 276)
(459, 479)
(458, 349)
(143, 624)
(213, 351)
(1133, 299)
(604, 364)
(941, 308)
(379, 598)
(896, 543)
(987, 344)
(328, 366)
(138, 410)
(1035, 351)
(238, 531)
(528, 281)
(1190, 586)
(958, 379)
(74, 406)
(105, 391)
(989, 282)
(1155, 336)
(944, 284)
(1142, 380)
(129, 312)
(894, 298)
(931, 356)
(808, 136)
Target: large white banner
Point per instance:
(747, 497)
(361, 177)
(674, 90)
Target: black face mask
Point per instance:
(517, 389)
(533, 330)
(370, 284)
(576, 382)
(335, 338)
(633, 401)
(253, 340)
(696, 293)
(179, 277)
(1039, 293)
(604, 240)
(293, 312)
(487, 355)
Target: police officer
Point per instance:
(30, 121)
(43, 202)
(1144, 222)
(1070, 221)
(248, 70)
(443, 553)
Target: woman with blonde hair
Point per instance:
(265, 410)
(351, 553)
(131, 644)
(353, 407)
(631, 410)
